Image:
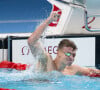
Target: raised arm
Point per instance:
(38, 32)
(35, 46)
(33, 39)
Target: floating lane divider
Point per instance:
(12, 65)
(6, 89)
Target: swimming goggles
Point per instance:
(68, 54)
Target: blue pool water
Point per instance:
(26, 80)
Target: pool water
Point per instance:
(26, 80)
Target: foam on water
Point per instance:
(14, 75)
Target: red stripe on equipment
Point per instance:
(12, 65)
(6, 89)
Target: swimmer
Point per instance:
(65, 54)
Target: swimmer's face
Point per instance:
(68, 55)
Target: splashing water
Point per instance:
(49, 81)
(14, 75)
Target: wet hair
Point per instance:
(67, 43)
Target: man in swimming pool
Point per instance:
(65, 54)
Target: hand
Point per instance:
(54, 16)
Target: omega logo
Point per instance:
(25, 50)
(50, 49)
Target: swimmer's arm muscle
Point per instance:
(38, 32)
(33, 43)
(35, 46)
(87, 71)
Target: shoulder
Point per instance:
(79, 68)
(74, 66)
